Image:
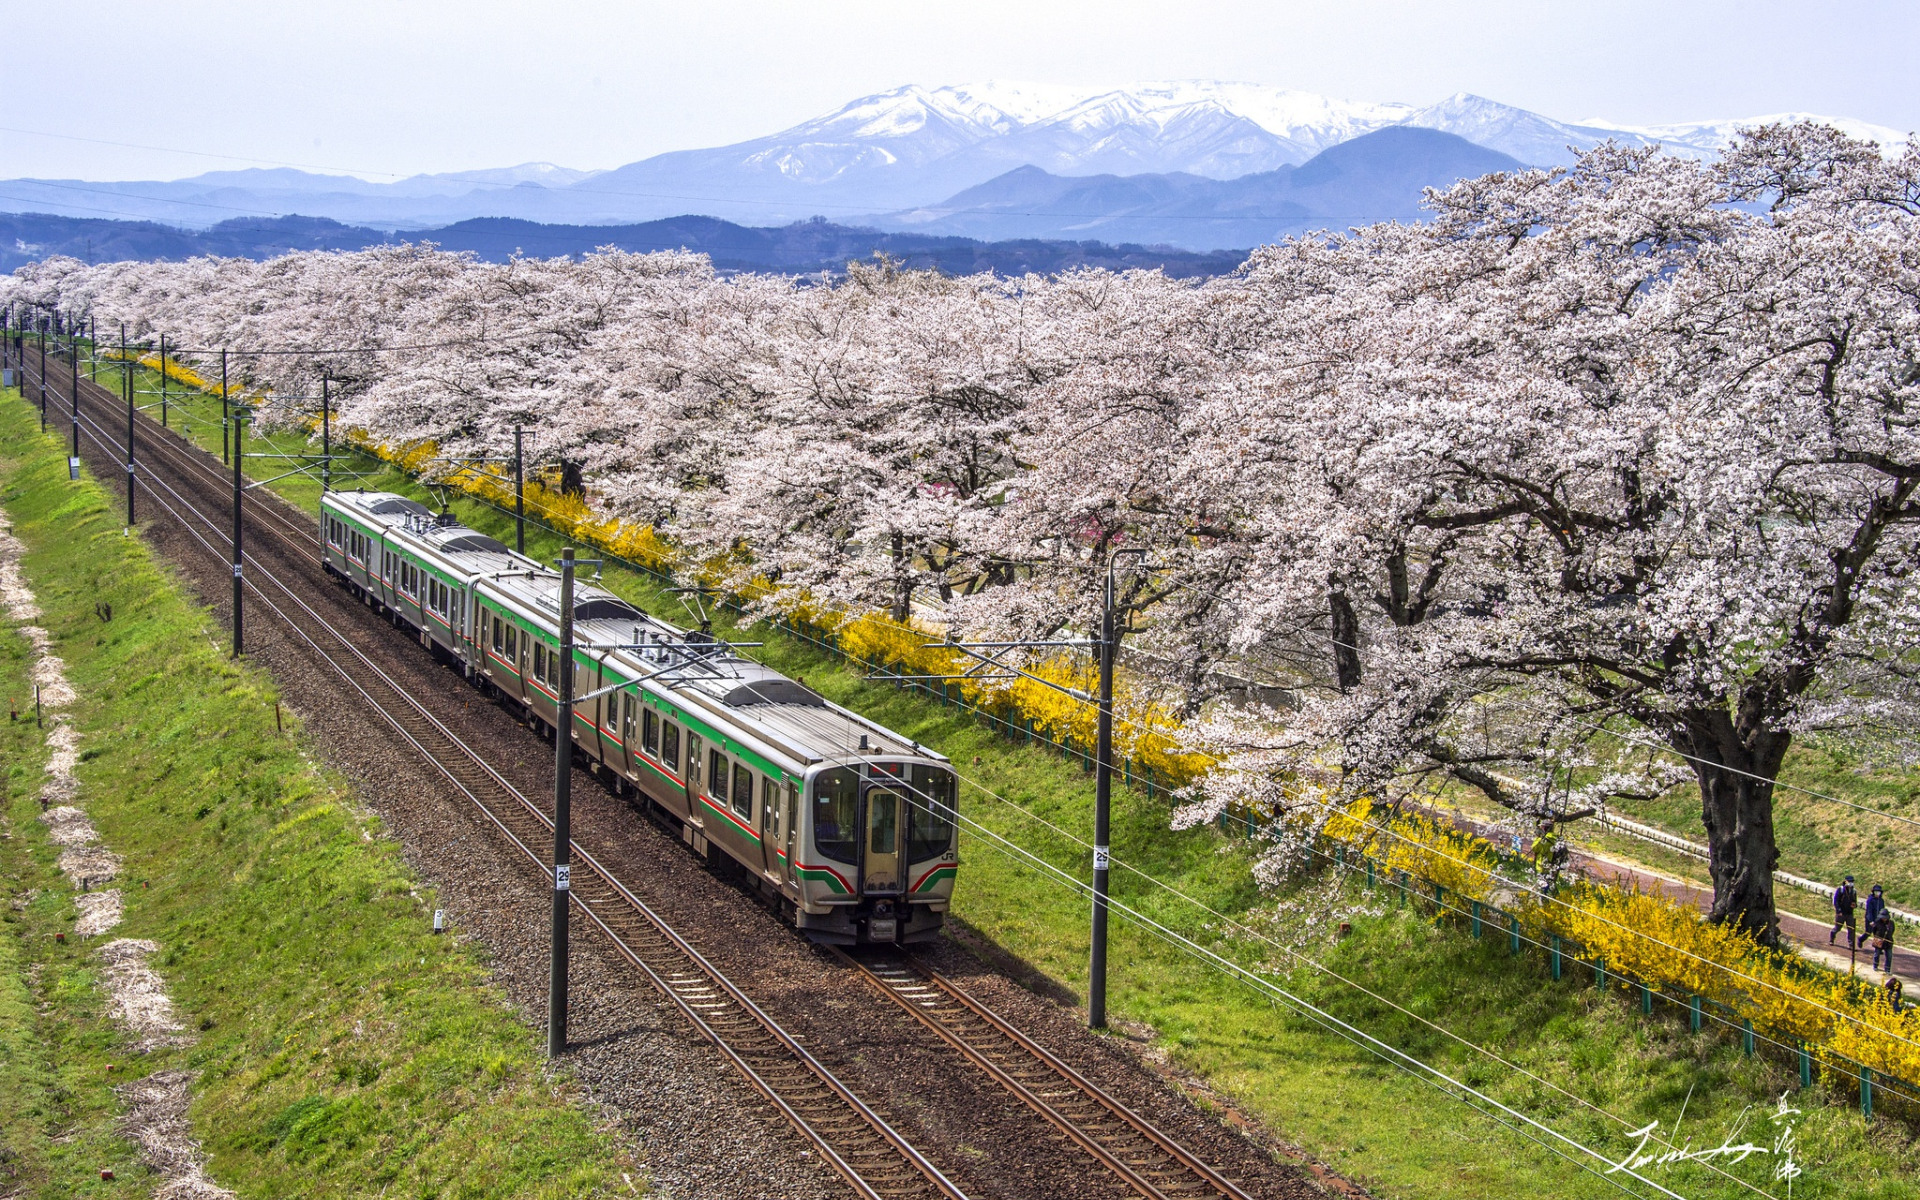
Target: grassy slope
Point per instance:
(343, 1049)
(1339, 1102)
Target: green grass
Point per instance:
(342, 1049)
(1318, 1090)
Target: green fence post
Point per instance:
(1513, 932)
(1646, 1000)
(1746, 1036)
(1693, 1014)
(1866, 1092)
(1340, 857)
(1439, 897)
(1400, 889)
(1369, 874)
(1149, 783)
(1556, 958)
(1806, 1068)
(1600, 972)
(1126, 768)
(1476, 919)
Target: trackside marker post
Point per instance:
(239, 422)
(562, 816)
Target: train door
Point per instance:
(880, 842)
(790, 808)
(692, 778)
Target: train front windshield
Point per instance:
(928, 792)
(930, 812)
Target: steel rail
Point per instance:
(745, 1034)
(1146, 1159)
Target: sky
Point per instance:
(119, 89)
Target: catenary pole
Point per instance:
(239, 423)
(225, 414)
(73, 395)
(519, 495)
(40, 385)
(163, 381)
(1103, 798)
(126, 385)
(562, 816)
(326, 434)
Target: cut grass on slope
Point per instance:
(1338, 1101)
(342, 1049)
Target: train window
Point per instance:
(670, 745)
(650, 732)
(496, 631)
(743, 791)
(836, 815)
(626, 719)
(886, 811)
(716, 775)
(693, 759)
(770, 807)
(513, 651)
(929, 813)
(540, 668)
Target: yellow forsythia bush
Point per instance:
(1645, 936)
(1652, 939)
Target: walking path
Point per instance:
(1808, 935)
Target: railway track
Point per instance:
(1147, 1160)
(873, 1158)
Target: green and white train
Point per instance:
(846, 824)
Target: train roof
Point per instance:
(466, 549)
(781, 710)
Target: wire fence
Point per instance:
(1839, 1077)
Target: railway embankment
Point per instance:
(1576, 1055)
(302, 1023)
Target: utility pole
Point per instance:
(326, 433)
(1108, 650)
(519, 495)
(93, 348)
(225, 416)
(163, 381)
(239, 423)
(73, 394)
(40, 385)
(126, 385)
(562, 817)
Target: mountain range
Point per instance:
(1186, 162)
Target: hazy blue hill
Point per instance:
(1380, 176)
(802, 248)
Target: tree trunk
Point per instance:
(1736, 777)
(1346, 640)
(902, 606)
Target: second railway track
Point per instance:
(873, 1158)
(870, 1155)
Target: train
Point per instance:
(844, 825)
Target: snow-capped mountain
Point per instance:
(1708, 138)
(898, 151)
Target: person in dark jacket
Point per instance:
(1894, 988)
(1844, 898)
(1876, 905)
(1880, 929)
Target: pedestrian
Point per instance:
(1880, 929)
(1843, 901)
(1894, 988)
(1876, 905)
